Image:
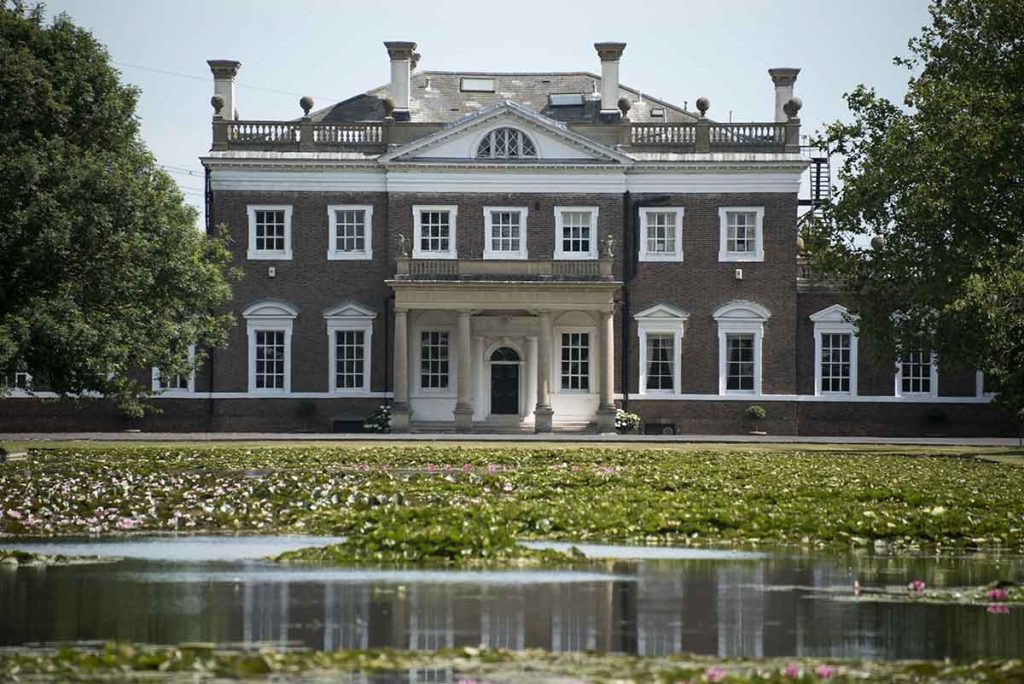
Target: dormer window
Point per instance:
(506, 143)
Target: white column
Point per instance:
(463, 406)
(531, 372)
(606, 405)
(543, 415)
(400, 406)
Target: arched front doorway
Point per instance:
(505, 381)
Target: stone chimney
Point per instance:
(224, 72)
(402, 54)
(609, 54)
(783, 78)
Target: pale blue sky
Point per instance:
(676, 50)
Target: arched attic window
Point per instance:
(506, 143)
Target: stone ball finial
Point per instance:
(877, 242)
(624, 105)
(792, 107)
(703, 105)
(306, 102)
(217, 102)
(389, 106)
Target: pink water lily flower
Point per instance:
(998, 594)
(916, 586)
(793, 671)
(715, 674)
(824, 672)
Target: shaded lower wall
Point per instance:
(187, 415)
(888, 419)
(854, 419)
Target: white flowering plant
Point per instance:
(626, 422)
(379, 420)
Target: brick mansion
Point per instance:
(529, 252)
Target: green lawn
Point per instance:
(453, 504)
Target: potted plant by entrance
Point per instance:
(626, 423)
(756, 414)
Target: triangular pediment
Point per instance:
(662, 312)
(837, 313)
(349, 310)
(553, 140)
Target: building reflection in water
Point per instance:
(749, 608)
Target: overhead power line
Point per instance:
(207, 79)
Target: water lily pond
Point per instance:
(651, 602)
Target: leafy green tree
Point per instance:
(938, 181)
(103, 271)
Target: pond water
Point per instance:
(167, 590)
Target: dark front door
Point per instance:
(505, 388)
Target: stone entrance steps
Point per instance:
(499, 426)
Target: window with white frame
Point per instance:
(740, 336)
(741, 234)
(349, 359)
(917, 374)
(575, 364)
(506, 143)
(660, 364)
(505, 232)
(349, 336)
(836, 363)
(178, 383)
(269, 327)
(434, 360)
(435, 232)
(270, 359)
(835, 351)
(351, 231)
(740, 366)
(660, 329)
(661, 234)
(575, 232)
(270, 232)
(18, 380)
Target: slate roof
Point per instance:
(435, 97)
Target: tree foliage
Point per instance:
(103, 272)
(940, 178)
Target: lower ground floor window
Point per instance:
(739, 373)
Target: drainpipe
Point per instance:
(624, 328)
(209, 231)
(388, 298)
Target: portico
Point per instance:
(488, 354)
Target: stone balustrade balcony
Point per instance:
(497, 270)
(376, 137)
